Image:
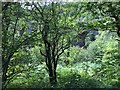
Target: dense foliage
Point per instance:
(60, 45)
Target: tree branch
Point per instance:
(42, 53)
(39, 11)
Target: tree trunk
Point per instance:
(52, 77)
(4, 76)
(118, 33)
(119, 47)
(5, 69)
(117, 19)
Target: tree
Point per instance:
(103, 16)
(14, 36)
(113, 12)
(51, 24)
(107, 16)
(55, 27)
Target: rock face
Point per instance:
(83, 35)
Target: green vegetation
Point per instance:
(60, 45)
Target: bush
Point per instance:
(71, 78)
